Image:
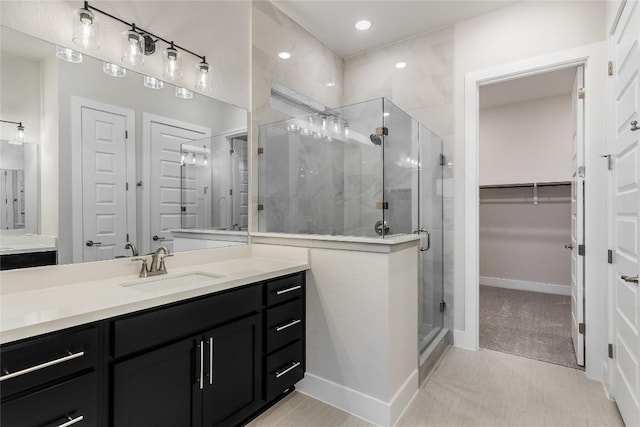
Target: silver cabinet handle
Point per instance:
(630, 279)
(634, 125)
(92, 243)
(428, 242)
(72, 421)
(201, 364)
(284, 291)
(288, 325)
(210, 360)
(293, 366)
(42, 366)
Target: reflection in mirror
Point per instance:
(18, 187)
(109, 143)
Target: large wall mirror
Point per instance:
(106, 158)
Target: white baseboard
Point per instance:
(464, 339)
(361, 405)
(522, 285)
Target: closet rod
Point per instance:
(538, 184)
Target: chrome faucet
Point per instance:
(157, 265)
(132, 246)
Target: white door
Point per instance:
(104, 184)
(577, 218)
(164, 183)
(240, 184)
(626, 60)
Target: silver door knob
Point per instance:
(630, 279)
(92, 243)
(634, 125)
(568, 246)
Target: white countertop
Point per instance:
(25, 243)
(23, 248)
(34, 312)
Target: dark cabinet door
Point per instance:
(160, 388)
(233, 372)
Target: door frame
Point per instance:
(77, 103)
(145, 155)
(593, 57)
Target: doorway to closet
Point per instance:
(531, 210)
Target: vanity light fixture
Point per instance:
(346, 129)
(113, 70)
(363, 24)
(20, 137)
(153, 83)
(183, 93)
(401, 65)
(284, 55)
(136, 43)
(68, 55)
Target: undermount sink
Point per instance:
(182, 282)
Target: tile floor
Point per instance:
(481, 388)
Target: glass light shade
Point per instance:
(113, 70)
(346, 129)
(20, 134)
(194, 159)
(172, 64)
(183, 93)
(153, 83)
(132, 48)
(68, 55)
(85, 29)
(203, 82)
(205, 160)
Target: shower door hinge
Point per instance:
(610, 351)
(126, 186)
(126, 134)
(443, 306)
(231, 191)
(610, 68)
(581, 171)
(382, 205)
(581, 93)
(260, 207)
(581, 328)
(443, 159)
(609, 256)
(260, 150)
(581, 250)
(382, 131)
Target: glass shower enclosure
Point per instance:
(364, 170)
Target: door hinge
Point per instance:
(126, 134)
(382, 131)
(610, 351)
(581, 171)
(443, 159)
(610, 68)
(581, 250)
(382, 205)
(126, 186)
(581, 328)
(260, 150)
(581, 93)
(260, 207)
(443, 306)
(231, 192)
(609, 256)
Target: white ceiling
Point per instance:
(332, 21)
(539, 86)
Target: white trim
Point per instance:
(358, 404)
(593, 58)
(76, 169)
(523, 285)
(147, 119)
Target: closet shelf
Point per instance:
(535, 199)
(530, 184)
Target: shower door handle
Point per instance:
(424, 230)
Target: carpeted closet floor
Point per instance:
(528, 324)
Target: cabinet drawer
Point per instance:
(284, 324)
(40, 360)
(58, 405)
(170, 323)
(283, 369)
(284, 289)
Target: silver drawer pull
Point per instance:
(42, 366)
(630, 279)
(72, 421)
(210, 360)
(288, 325)
(284, 291)
(201, 364)
(281, 373)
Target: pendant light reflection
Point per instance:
(153, 83)
(202, 80)
(132, 48)
(183, 93)
(113, 70)
(85, 29)
(20, 138)
(172, 62)
(68, 55)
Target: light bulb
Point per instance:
(336, 125)
(193, 159)
(20, 133)
(324, 122)
(182, 159)
(85, 29)
(172, 63)
(205, 160)
(153, 83)
(132, 48)
(202, 80)
(346, 129)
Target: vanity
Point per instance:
(213, 343)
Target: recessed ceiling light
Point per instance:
(330, 84)
(386, 114)
(284, 55)
(401, 65)
(363, 24)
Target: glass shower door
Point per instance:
(430, 228)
